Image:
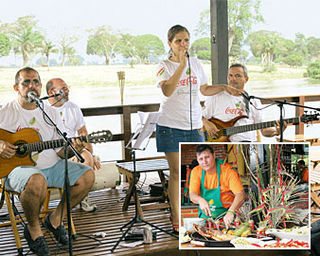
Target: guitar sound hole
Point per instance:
(22, 149)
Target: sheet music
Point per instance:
(148, 123)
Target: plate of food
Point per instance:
(211, 237)
(251, 243)
(295, 233)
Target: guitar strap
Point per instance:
(246, 102)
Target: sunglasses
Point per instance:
(27, 82)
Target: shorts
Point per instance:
(168, 138)
(54, 175)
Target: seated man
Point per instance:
(229, 104)
(301, 165)
(32, 181)
(215, 186)
(74, 125)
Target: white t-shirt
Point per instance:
(13, 118)
(175, 110)
(225, 107)
(72, 118)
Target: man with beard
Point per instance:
(31, 182)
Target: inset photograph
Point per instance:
(244, 196)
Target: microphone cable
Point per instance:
(190, 90)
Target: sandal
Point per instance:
(60, 233)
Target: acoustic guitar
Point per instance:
(226, 129)
(28, 140)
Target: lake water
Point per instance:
(106, 96)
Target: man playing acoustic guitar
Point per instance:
(230, 106)
(32, 181)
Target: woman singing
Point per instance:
(180, 118)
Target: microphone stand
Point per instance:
(67, 145)
(280, 104)
(137, 218)
(190, 91)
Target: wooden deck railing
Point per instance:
(125, 112)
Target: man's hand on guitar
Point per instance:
(78, 144)
(277, 132)
(210, 127)
(7, 150)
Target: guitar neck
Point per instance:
(42, 145)
(251, 127)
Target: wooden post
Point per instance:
(299, 129)
(219, 41)
(121, 78)
(126, 121)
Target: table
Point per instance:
(301, 138)
(150, 165)
(314, 156)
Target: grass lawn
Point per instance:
(138, 75)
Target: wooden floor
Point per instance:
(108, 218)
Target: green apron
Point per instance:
(213, 196)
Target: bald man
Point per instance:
(74, 125)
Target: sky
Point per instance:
(291, 16)
(149, 16)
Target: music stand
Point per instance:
(141, 137)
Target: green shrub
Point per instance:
(313, 70)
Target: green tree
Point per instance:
(102, 42)
(48, 47)
(242, 15)
(26, 37)
(127, 47)
(294, 60)
(301, 45)
(66, 48)
(203, 27)
(285, 47)
(313, 46)
(148, 46)
(201, 48)
(5, 45)
(263, 44)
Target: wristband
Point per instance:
(233, 212)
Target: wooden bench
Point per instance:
(142, 166)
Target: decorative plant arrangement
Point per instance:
(274, 202)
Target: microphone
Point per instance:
(56, 95)
(32, 97)
(187, 54)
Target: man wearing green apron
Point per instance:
(215, 186)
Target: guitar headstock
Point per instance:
(100, 136)
(306, 118)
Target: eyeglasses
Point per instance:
(27, 82)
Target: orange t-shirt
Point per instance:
(230, 182)
(305, 175)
